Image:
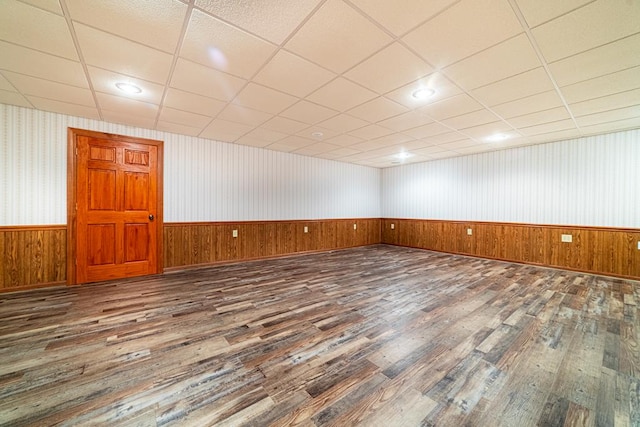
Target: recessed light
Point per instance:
(317, 135)
(424, 93)
(403, 155)
(497, 137)
(128, 88)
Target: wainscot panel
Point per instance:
(599, 250)
(32, 256)
(201, 243)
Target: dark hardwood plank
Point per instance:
(371, 336)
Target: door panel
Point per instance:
(118, 206)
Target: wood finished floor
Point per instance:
(372, 336)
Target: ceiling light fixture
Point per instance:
(497, 137)
(424, 93)
(128, 88)
(317, 135)
(403, 155)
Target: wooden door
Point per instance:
(116, 206)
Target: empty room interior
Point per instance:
(319, 213)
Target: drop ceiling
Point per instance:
(333, 78)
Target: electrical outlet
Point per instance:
(306, 229)
(355, 226)
(567, 238)
(469, 232)
(393, 226)
(235, 233)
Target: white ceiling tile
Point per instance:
(537, 12)
(307, 112)
(284, 125)
(291, 74)
(266, 135)
(253, 142)
(128, 119)
(225, 131)
(291, 143)
(371, 132)
(511, 57)
(198, 79)
(467, 27)
(548, 127)
(377, 109)
(53, 35)
(602, 86)
(13, 98)
(240, 114)
(584, 28)
(343, 123)
(338, 37)
(171, 115)
(474, 118)
(64, 107)
(482, 132)
(155, 23)
(177, 128)
(216, 44)
(408, 120)
(457, 145)
(401, 16)
(385, 141)
(193, 103)
(514, 87)
(264, 99)
(272, 19)
(51, 90)
(317, 148)
(392, 67)
(113, 53)
(606, 59)
(105, 81)
(529, 104)
(540, 117)
(4, 83)
(127, 106)
(341, 95)
(32, 63)
(50, 5)
(611, 102)
(314, 131)
(609, 116)
(443, 88)
(451, 107)
(425, 131)
(344, 151)
(633, 123)
(444, 138)
(344, 140)
(555, 136)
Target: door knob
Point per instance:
(151, 217)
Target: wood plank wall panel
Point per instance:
(32, 256)
(189, 244)
(610, 251)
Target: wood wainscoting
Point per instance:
(201, 243)
(36, 256)
(599, 250)
(32, 256)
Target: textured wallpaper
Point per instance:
(592, 181)
(203, 180)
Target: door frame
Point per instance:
(72, 177)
